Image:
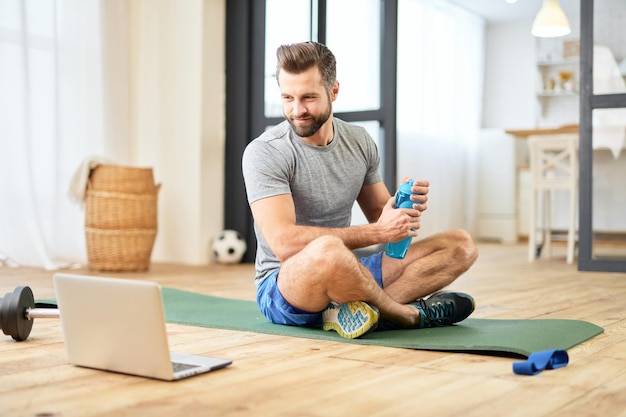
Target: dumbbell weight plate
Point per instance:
(13, 313)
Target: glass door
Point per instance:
(602, 236)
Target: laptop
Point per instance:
(118, 325)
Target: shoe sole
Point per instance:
(350, 320)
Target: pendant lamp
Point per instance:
(551, 21)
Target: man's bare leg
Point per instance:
(326, 270)
(430, 265)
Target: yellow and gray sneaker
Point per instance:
(350, 320)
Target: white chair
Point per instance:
(553, 166)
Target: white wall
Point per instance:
(509, 97)
(177, 118)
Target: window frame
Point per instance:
(245, 107)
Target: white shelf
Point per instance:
(557, 94)
(560, 62)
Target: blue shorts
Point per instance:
(277, 310)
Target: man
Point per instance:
(302, 178)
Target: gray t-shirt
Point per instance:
(324, 181)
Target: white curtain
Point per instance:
(440, 80)
(56, 109)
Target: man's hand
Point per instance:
(397, 224)
(420, 193)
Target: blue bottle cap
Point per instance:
(405, 187)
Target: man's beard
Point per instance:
(316, 123)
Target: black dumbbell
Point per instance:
(17, 311)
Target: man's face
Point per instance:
(306, 103)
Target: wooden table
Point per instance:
(524, 133)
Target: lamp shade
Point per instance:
(551, 21)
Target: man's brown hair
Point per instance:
(299, 57)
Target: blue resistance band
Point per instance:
(538, 361)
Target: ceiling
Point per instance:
(495, 11)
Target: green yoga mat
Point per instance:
(519, 337)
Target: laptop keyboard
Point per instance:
(178, 366)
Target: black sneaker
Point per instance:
(444, 309)
(440, 309)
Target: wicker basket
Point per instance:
(119, 250)
(120, 218)
(122, 179)
(107, 210)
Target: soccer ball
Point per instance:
(229, 247)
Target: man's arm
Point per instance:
(372, 199)
(276, 218)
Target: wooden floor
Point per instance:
(283, 376)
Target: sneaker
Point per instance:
(350, 320)
(444, 309)
(440, 309)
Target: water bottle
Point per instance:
(403, 200)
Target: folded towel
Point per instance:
(607, 78)
(609, 125)
(610, 137)
(78, 185)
